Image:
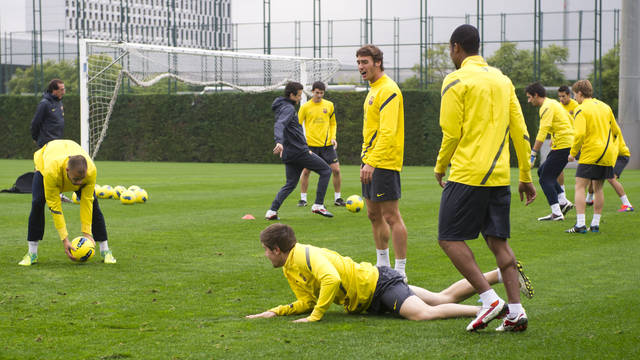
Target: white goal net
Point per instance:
(107, 65)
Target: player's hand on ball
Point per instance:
(439, 177)
(266, 314)
(527, 189)
(303, 320)
(67, 248)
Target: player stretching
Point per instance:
(319, 277)
(595, 133)
(478, 113)
(382, 155)
(556, 121)
(292, 148)
(319, 120)
(62, 165)
(621, 163)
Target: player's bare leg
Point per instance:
(304, 186)
(414, 308)
(337, 183)
(455, 293)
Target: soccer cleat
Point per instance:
(566, 207)
(594, 228)
(302, 203)
(525, 284)
(518, 324)
(498, 309)
(551, 217)
(64, 198)
(29, 259)
(108, 257)
(320, 209)
(625, 208)
(577, 230)
(339, 202)
(271, 215)
(589, 203)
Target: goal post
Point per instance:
(106, 65)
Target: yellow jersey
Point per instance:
(479, 111)
(556, 121)
(51, 161)
(319, 122)
(570, 107)
(595, 133)
(319, 277)
(383, 126)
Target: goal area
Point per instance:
(106, 65)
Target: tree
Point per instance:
(610, 78)
(22, 81)
(439, 64)
(518, 64)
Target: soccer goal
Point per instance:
(106, 65)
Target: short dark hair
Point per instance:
(278, 235)
(373, 51)
(536, 89)
(467, 37)
(565, 89)
(54, 85)
(583, 86)
(292, 88)
(77, 163)
(318, 85)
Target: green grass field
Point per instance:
(189, 269)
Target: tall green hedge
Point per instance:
(225, 127)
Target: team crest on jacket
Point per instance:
(324, 111)
(371, 100)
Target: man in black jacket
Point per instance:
(48, 122)
(291, 146)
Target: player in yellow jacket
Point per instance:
(319, 120)
(62, 165)
(319, 277)
(555, 121)
(569, 104)
(621, 163)
(594, 138)
(479, 112)
(382, 155)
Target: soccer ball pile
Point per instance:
(82, 248)
(354, 203)
(133, 194)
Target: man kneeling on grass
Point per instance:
(319, 277)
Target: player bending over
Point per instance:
(319, 277)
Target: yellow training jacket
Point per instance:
(319, 122)
(623, 149)
(556, 121)
(51, 161)
(479, 111)
(595, 133)
(570, 107)
(383, 128)
(319, 277)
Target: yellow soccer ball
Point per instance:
(105, 192)
(141, 195)
(354, 203)
(117, 191)
(74, 198)
(128, 197)
(82, 248)
(134, 187)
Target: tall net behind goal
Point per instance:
(106, 66)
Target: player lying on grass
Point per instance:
(319, 277)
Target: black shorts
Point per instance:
(391, 292)
(327, 153)
(466, 211)
(594, 172)
(384, 186)
(621, 163)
